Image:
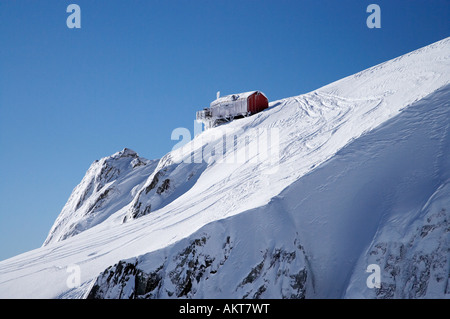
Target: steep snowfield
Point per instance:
(359, 164)
(389, 188)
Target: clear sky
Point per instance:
(137, 69)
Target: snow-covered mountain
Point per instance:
(297, 204)
(108, 185)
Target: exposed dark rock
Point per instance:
(185, 273)
(154, 181)
(165, 186)
(254, 273)
(408, 269)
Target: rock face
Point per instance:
(416, 264)
(107, 187)
(196, 268)
(408, 268)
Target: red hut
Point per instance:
(227, 108)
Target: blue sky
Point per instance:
(136, 70)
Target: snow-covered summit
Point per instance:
(126, 152)
(107, 186)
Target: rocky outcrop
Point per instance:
(168, 181)
(410, 267)
(196, 268)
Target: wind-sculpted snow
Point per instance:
(350, 161)
(371, 191)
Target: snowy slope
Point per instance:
(391, 184)
(351, 157)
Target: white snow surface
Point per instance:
(361, 167)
